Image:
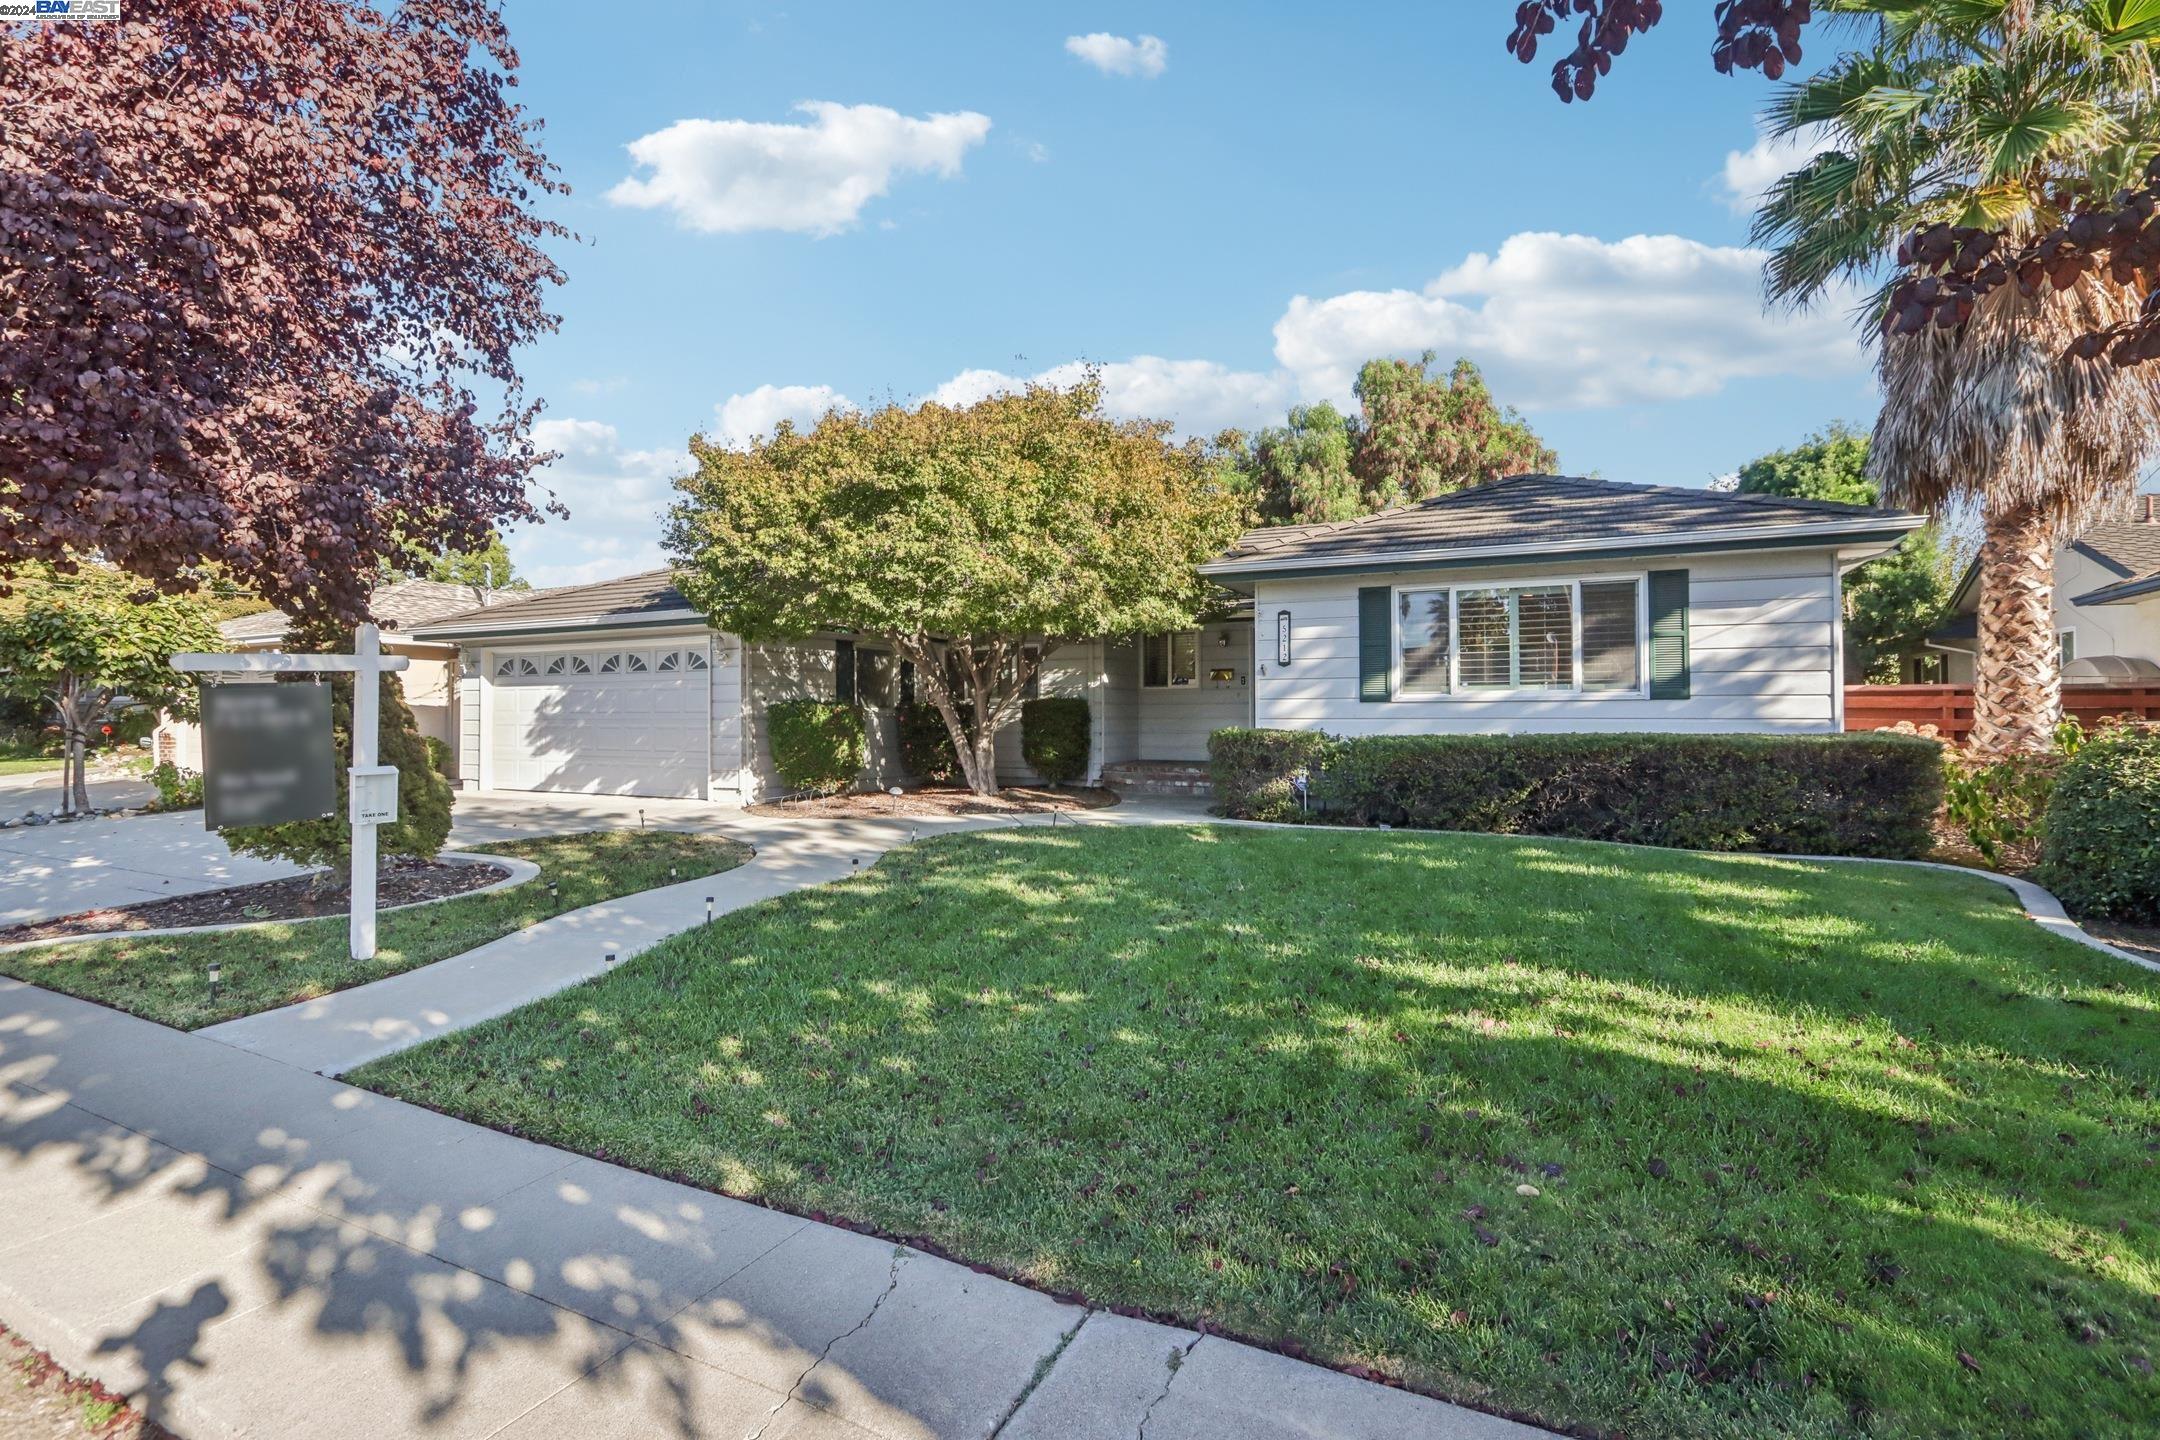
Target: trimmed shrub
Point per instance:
(1054, 737)
(817, 745)
(442, 757)
(2102, 851)
(1817, 794)
(1255, 772)
(926, 750)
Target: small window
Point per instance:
(609, 664)
(697, 660)
(877, 679)
(2069, 646)
(635, 663)
(1032, 655)
(670, 660)
(505, 667)
(555, 665)
(526, 666)
(1170, 661)
(579, 665)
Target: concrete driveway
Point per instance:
(40, 790)
(49, 870)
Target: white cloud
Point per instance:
(1749, 174)
(614, 495)
(1573, 322)
(734, 176)
(742, 418)
(1116, 55)
(1200, 397)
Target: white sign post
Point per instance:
(372, 793)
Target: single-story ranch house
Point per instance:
(1534, 603)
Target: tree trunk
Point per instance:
(2017, 689)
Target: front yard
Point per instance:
(164, 978)
(1609, 1138)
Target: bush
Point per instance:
(2102, 850)
(817, 745)
(1054, 738)
(926, 750)
(1999, 804)
(177, 789)
(1819, 794)
(1256, 772)
(441, 757)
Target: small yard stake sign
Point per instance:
(372, 795)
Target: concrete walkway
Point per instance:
(344, 1030)
(247, 1248)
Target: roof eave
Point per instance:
(1885, 527)
(2121, 593)
(561, 623)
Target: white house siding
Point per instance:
(1067, 670)
(1762, 645)
(1117, 702)
(469, 732)
(2132, 630)
(1174, 723)
(731, 779)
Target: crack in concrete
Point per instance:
(1043, 1367)
(892, 1283)
(1176, 1362)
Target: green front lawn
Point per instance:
(280, 963)
(26, 764)
(1819, 1150)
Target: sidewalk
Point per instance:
(345, 1030)
(251, 1249)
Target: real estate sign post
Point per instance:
(267, 753)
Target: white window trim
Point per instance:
(1169, 660)
(1455, 693)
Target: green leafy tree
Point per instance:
(424, 795)
(1416, 435)
(1893, 601)
(90, 643)
(488, 568)
(1425, 434)
(960, 536)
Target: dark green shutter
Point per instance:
(843, 655)
(1668, 635)
(907, 682)
(1375, 642)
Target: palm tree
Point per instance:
(1991, 113)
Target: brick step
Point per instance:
(1159, 777)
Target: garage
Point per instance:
(625, 719)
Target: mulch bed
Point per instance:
(297, 898)
(40, 1401)
(942, 800)
(2140, 940)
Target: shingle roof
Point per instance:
(1530, 510)
(2130, 547)
(628, 598)
(398, 608)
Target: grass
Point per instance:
(1821, 1150)
(280, 963)
(26, 764)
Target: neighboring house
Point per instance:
(2107, 604)
(1535, 603)
(430, 681)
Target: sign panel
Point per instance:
(267, 754)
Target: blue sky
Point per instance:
(1228, 216)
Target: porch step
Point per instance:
(1159, 777)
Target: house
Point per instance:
(1534, 603)
(429, 681)
(2107, 604)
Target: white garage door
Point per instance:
(619, 720)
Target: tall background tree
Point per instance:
(1999, 162)
(1963, 112)
(1892, 602)
(87, 644)
(259, 257)
(1417, 434)
(962, 537)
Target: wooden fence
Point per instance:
(1949, 708)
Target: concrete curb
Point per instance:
(520, 872)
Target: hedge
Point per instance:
(1054, 737)
(926, 748)
(1871, 794)
(817, 745)
(2102, 852)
